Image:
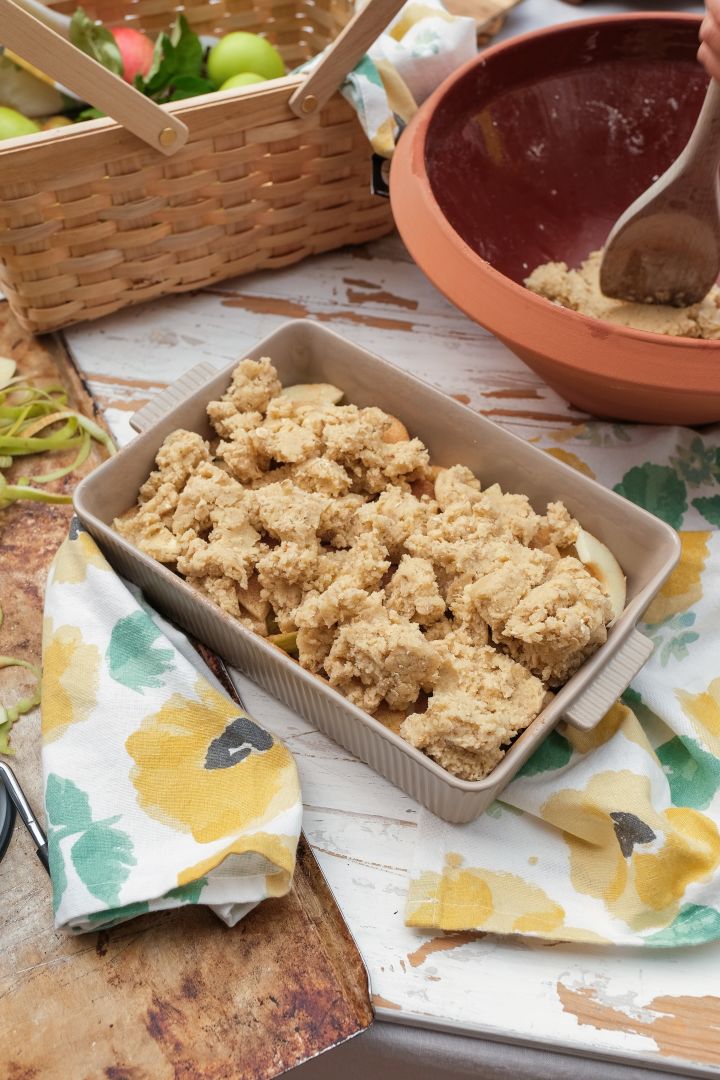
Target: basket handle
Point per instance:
(56, 57)
(348, 48)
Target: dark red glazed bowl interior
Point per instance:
(532, 157)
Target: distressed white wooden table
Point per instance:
(655, 1008)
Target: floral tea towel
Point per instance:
(159, 790)
(420, 48)
(612, 835)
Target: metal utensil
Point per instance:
(26, 812)
(665, 248)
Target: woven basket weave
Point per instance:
(93, 220)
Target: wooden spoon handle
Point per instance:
(56, 57)
(702, 152)
(342, 56)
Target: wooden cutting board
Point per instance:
(171, 994)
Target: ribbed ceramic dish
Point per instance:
(306, 352)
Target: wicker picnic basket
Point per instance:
(163, 199)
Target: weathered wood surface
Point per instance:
(657, 1007)
(173, 994)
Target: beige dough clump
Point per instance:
(579, 290)
(446, 609)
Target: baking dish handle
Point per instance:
(615, 677)
(172, 396)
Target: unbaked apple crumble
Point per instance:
(447, 610)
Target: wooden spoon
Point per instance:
(665, 248)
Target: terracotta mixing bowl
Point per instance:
(529, 153)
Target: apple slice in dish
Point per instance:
(602, 564)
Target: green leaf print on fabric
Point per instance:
(111, 916)
(67, 806)
(696, 463)
(190, 893)
(555, 752)
(602, 434)
(671, 637)
(57, 868)
(427, 43)
(131, 658)
(497, 809)
(658, 489)
(367, 68)
(693, 925)
(693, 774)
(709, 508)
(102, 855)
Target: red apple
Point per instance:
(136, 51)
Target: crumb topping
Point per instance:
(444, 608)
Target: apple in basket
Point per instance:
(136, 51)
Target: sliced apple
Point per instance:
(396, 431)
(286, 642)
(602, 564)
(7, 370)
(313, 393)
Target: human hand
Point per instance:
(709, 51)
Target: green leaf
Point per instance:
(709, 508)
(176, 68)
(102, 857)
(658, 489)
(188, 48)
(90, 114)
(188, 86)
(694, 924)
(67, 806)
(92, 38)
(131, 658)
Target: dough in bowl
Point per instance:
(579, 290)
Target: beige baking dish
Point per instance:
(303, 351)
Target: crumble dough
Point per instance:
(579, 290)
(447, 610)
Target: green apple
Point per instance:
(13, 124)
(240, 52)
(245, 78)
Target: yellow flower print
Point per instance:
(471, 898)
(273, 854)
(570, 459)
(637, 860)
(703, 710)
(203, 768)
(684, 586)
(69, 679)
(691, 853)
(618, 718)
(73, 558)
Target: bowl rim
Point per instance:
(424, 227)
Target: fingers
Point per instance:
(710, 61)
(709, 51)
